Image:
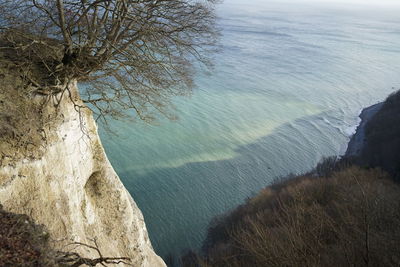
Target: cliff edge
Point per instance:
(60, 176)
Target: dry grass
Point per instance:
(24, 115)
(20, 117)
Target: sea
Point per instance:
(286, 90)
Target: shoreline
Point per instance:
(357, 140)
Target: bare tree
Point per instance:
(127, 54)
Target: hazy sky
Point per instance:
(358, 2)
(374, 2)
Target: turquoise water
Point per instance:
(286, 91)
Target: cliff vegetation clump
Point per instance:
(23, 117)
(350, 218)
(22, 242)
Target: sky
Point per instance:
(352, 2)
(364, 2)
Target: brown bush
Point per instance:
(22, 242)
(351, 218)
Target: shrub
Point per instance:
(22, 242)
(351, 218)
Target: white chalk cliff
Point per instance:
(73, 190)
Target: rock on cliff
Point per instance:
(71, 188)
(357, 141)
(377, 140)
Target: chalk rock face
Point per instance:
(73, 190)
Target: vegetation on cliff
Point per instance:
(350, 218)
(22, 118)
(131, 55)
(22, 242)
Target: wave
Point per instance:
(346, 130)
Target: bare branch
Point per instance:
(131, 55)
